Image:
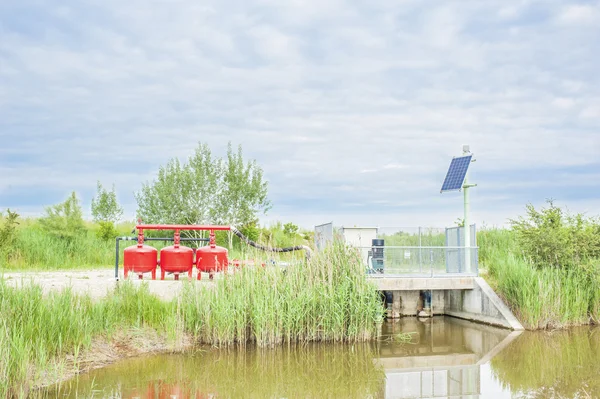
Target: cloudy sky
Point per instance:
(354, 109)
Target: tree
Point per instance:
(290, 229)
(105, 207)
(244, 192)
(106, 212)
(205, 190)
(183, 193)
(64, 220)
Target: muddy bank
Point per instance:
(106, 350)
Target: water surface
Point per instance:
(445, 358)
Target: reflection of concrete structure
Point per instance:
(444, 361)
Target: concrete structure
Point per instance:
(360, 237)
(469, 298)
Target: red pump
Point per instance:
(176, 259)
(211, 258)
(140, 259)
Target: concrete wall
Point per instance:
(479, 304)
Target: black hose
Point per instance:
(271, 249)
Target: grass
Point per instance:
(36, 330)
(327, 299)
(34, 249)
(542, 298)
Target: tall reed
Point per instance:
(547, 297)
(326, 299)
(36, 330)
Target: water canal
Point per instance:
(446, 357)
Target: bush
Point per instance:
(64, 220)
(553, 238)
(9, 229)
(106, 231)
(8, 234)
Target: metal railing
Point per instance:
(420, 261)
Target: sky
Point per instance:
(354, 109)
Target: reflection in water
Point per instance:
(556, 364)
(444, 361)
(446, 358)
(343, 371)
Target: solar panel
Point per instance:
(456, 173)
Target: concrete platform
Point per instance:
(423, 283)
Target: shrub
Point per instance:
(551, 237)
(64, 220)
(9, 229)
(8, 234)
(106, 231)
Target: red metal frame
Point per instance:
(181, 227)
(177, 227)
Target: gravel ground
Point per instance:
(95, 282)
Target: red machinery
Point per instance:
(211, 258)
(140, 259)
(180, 259)
(176, 259)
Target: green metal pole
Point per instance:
(466, 229)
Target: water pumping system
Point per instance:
(179, 259)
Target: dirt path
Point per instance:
(93, 282)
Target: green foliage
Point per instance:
(205, 190)
(547, 297)
(105, 207)
(290, 229)
(36, 329)
(251, 230)
(546, 268)
(64, 220)
(326, 299)
(35, 248)
(244, 191)
(106, 231)
(8, 229)
(183, 193)
(551, 237)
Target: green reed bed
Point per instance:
(37, 330)
(326, 299)
(547, 298)
(541, 296)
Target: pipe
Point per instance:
(248, 241)
(304, 248)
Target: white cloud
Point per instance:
(579, 14)
(361, 104)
